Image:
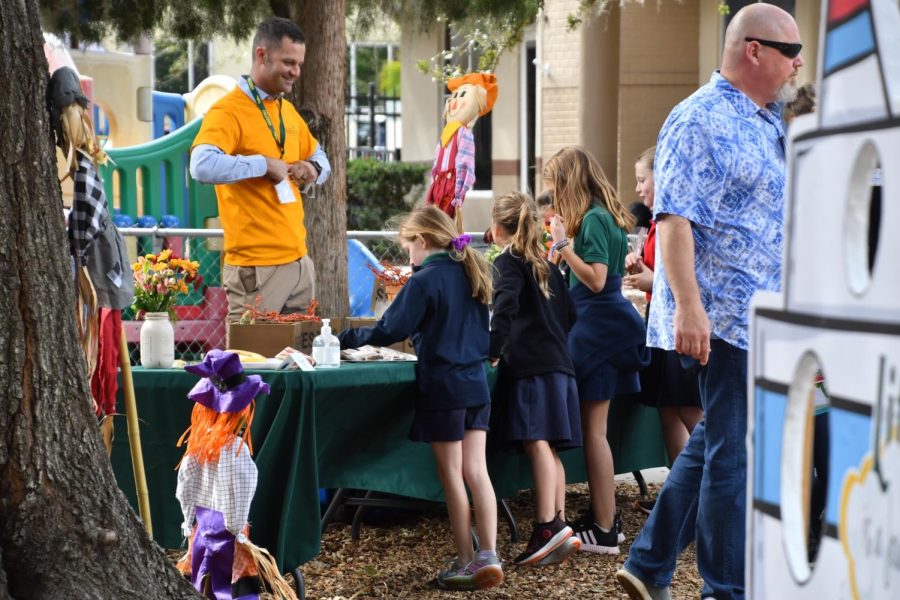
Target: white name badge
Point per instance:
(285, 192)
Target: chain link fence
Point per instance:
(200, 314)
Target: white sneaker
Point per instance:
(638, 590)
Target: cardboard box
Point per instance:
(382, 296)
(269, 339)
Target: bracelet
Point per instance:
(558, 246)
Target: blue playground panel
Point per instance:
(167, 105)
(360, 279)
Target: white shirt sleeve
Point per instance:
(209, 164)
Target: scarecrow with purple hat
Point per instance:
(216, 482)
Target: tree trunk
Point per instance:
(320, 98)
(66, 530)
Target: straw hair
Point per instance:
(269, 573)
(647, 158)
(438, 231)
(578, 181)
(515, 215)
(78, 133)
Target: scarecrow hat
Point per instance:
(64, 89)
(224, 387)
(487, 81)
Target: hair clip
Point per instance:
(461, 241)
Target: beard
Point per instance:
(787, 92)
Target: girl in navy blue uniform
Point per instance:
(607, 341)
(444, 309)
(532, 317)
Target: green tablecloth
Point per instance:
(362, 423)
(335, 428)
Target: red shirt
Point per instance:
(649, 256)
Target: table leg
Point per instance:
(511, 521)
(642, 485)
(299, 583)
(336, 502)
(357, 516)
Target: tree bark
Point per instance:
(320, 97)
(66, 530)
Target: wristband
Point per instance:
(558, 246)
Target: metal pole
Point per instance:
(134, 435)
(190, 58)
(372, 114)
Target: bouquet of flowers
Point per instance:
(158, 279)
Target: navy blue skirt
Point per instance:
(606, 342)
(606, 381)
(543, 407)
(448, 425)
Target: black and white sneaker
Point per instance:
(594, 539)
(586, 519)
(545, 539)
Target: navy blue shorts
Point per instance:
(448, 425)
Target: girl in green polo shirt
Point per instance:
(590, 233)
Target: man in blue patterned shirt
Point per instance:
(720, 186)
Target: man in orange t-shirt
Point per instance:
(258, 150)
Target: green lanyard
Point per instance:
(265, 114)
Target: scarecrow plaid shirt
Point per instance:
(89, 208)
(227, 486)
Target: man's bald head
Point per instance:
(762, 72)
(760, 21)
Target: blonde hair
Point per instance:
(514, 213)
(78, 134)
(439, 231)
(647, 158)
(578, 180)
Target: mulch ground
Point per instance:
(399, 558)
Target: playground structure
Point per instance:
(838, 315)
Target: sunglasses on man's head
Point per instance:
(787, 49)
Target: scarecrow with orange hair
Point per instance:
(216, 482)
(453, 172)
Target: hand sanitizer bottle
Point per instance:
(326, 348)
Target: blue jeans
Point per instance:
(705, 495)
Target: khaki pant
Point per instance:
(283, 288)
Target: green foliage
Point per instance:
(171, 64)
(370, 63)
(92, 20)
(389, 78)
(492, 253)
(377, 191)
(485, 28)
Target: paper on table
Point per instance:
(375, 353)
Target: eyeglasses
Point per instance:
(787, 49)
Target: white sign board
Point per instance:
(838, 313)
